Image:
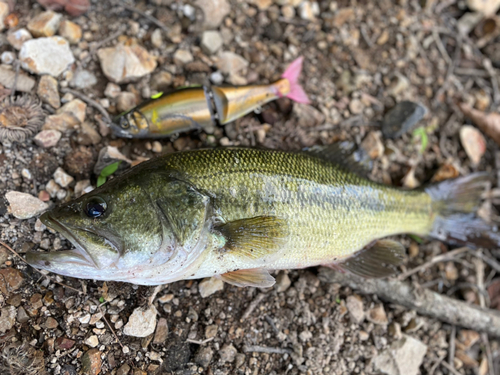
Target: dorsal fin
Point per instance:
(346, 154)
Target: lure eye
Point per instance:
(95, 207)
(124, 123)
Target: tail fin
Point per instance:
(455, 202)
(292, 74)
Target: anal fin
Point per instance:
(256, 277)
(377, 260)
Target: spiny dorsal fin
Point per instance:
(258, 278)
(254, 237)
(345, 154)
(377, 260)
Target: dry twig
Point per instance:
(145, 15)
(264, 349)
(424, 302)
(252, 306)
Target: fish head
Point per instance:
(131, 124)
(117, 233)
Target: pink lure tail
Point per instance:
(292, 74)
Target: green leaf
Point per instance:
(158, 95)
(417, 239)
(101, 299)
(424, 138)
(110, 169)
(101, 180)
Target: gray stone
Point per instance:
(83, 79)
(282, 282)
(76, 108)
(182, 57)
(125, 101)
(204, 356)
(156, 38)
(7, 57)
(142, 322)
(48, 92)
(88, 135)
(112, 90)
(37, 55)
(401, 119)
(24, 206)
(403, 357)
(209, 286)
(211, 42)
(161, 331)
(228, 353)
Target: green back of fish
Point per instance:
(330, 212)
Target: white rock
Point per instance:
(83, 79)
(473, 142)
(214, 11)
(156, 38)
(112, 90)
(24, 206)
(182, 56)
(7, 318)
(355, 307)
(37, 55)
(80, 187)
(8, 76)
(4, 12)
(231, 63)
(211, 42)
(142, 322)
(122, 64)
(403, 357)
(306, 11)
(18, 37)
(486, 7)
(8, 57)
(92, 341)
(52, 188)
(47, 138)
(75, 108)
(62, 178)
(209, 286)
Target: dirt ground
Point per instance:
(361, 58)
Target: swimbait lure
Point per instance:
(202, 107)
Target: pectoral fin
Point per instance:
(254, 277)
(254, 237)
(377, 260)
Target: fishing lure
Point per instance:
(202, 107)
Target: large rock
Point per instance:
(24, 206)
(37, 55)
(24, 82)
(403, 357)
(122, 64)
(142, 322)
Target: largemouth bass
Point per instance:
(203, 107)
(239, 213)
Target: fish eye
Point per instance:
(95, 207)
(124, 123)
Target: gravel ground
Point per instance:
(362, 58)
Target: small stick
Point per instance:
(451, 368)
(434, 260)
(147, 16)
(264, 349)
(440, 46)
(478, 263)
(435, 366)
(17, 65)
(109, 325)
(89, 101)
(37, 270)
(489, 356)
(451, 352)
(199, 342)
(252, 306)
(424, 302)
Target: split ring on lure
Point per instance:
(201, 107)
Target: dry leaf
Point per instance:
(487, 122)
(445, 172)
(494, 294)
(473, 143)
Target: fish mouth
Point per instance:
(118, 131)
(78, 256)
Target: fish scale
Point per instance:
(331, 213)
